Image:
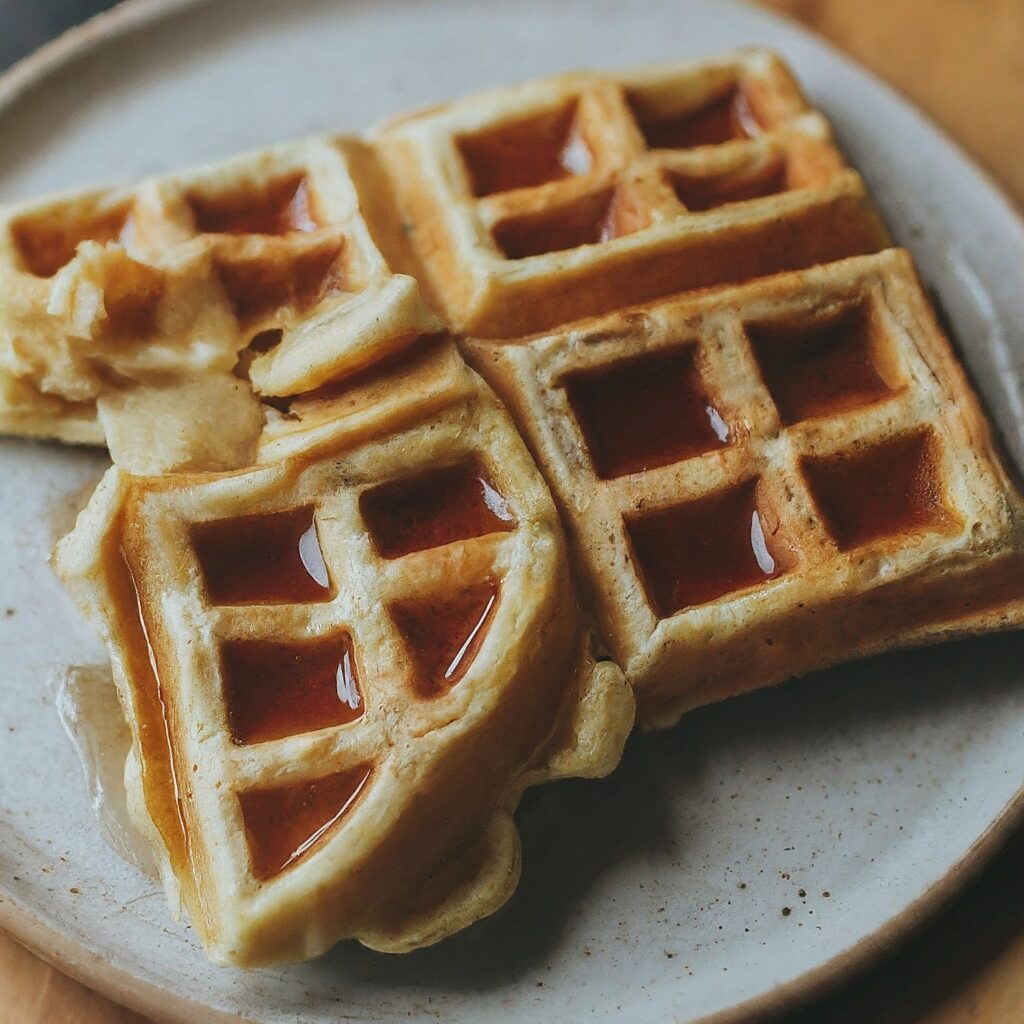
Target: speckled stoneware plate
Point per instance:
(855, 798)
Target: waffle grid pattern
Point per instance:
(696, 175)
(859, 493)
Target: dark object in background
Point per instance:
(27, 24)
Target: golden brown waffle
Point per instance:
(769, 479)
(342, 668)
(343, 663)
(566, 197)
(266, 260)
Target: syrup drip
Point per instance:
(645, 413)
(279, 209)
(434, 509)
(445, 636)
(274, 690)
(262, 559)
(697, 552)
(540, 149)
(286, 823)
(824, 368)
(890, 490)
(47, 243)
(722, 120)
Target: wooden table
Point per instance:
(963, 62)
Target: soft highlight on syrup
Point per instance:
(546, 147)
(432, 509)
(286, 823)
(703, 550)
(444, 637)
(724, 118)
(645, 413)
(262, 559)
(273, 690)
(278, 208)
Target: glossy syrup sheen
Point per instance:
(274, 690)
(257, 288)
(823, 368)
(889, 490)
(645, 413)
(724, 119)
(279, 208)
(703, 550)
(544, 148)
(698, 194)
(46, 243)
(286, 823)
(590, 219)
(434, 508)
(262, 559)
(445, 636)
(161, 778)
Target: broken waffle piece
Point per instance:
(769, 479)
(264, 262)
(341, 668)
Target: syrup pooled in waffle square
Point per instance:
(566, 197)
(264, 265)
(769, 479)
(342, 666)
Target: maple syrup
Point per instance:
(274, 690)
(279, 208)
(698, 194)
(697, 552)
(262, 559)
(285, 823)
(645, 413)
(723, 119)
(434, 508)
(445, 636)
(547, 147)
(828, 367)
(599, 217)
(257, 288)
(48, 242)
(887, 490)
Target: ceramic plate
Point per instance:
(761, 848)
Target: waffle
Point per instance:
(343, 665)
(536, 205)
(263, 266)
(800, 457)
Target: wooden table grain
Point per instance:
(962, 61)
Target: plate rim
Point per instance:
(87, 966)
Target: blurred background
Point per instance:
(26, 24)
